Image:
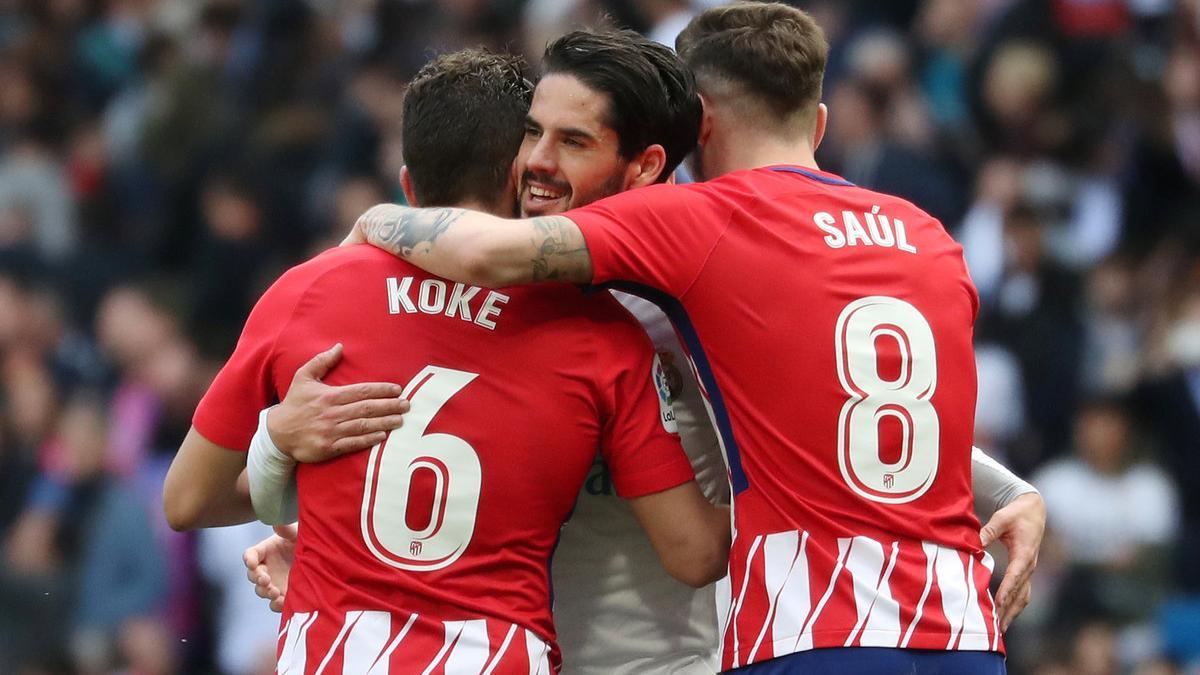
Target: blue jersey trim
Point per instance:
(683, 323)
(815, 176)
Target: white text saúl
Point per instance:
(863, 229)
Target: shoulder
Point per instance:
(341, 266)
(1150, 475)
(666, 195)
(341, 260)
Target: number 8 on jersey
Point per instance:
(906, 400)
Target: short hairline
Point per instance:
(716, 83)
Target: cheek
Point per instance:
(521, 161)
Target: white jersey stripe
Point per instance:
(794, 603)
(453, 629)
(295, 647)
(864, 561)
(537, 652)
(975, 633)
(367, 638)
(930, 551)
(380, 667)
(349, 620)
(779, 557)
(883, 618)
(951, 581)
(469, 653)
(500, 652)
(737, 606)
(991, 566)
(805, 639)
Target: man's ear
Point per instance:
(706, 121)
(646, 168)
(406, 185)
(819, 131)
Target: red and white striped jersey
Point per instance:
(439, 539)
(368, 642)
(830, 328)
(797, 593)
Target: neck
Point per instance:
(477, 205)
(737, 151)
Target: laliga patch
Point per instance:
(662, 387)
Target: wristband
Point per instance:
(272, 478)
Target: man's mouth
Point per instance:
(544, 193)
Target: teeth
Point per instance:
(543, 194)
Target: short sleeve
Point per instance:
(228, 413)
(659, 236)
(638, 439)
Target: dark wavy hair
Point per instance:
(464, 117)
(652, 94)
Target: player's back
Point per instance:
(432, 549)
(859, 307)
(831, 327)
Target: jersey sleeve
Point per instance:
(658, 236)
(228, 413)
(638, 439)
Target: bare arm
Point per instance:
(201, 489)
(478, 248)
(690, 535)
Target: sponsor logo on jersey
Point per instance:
(662, 385)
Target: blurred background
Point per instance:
(162, 161)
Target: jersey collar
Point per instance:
(819, 176)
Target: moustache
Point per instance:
(560, 186)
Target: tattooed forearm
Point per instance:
(401, 229)
(560, 251)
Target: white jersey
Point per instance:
(615, 608)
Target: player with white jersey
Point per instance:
(614, 611)
(831, 329)
(430, 553)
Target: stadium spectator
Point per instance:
(1112, 516)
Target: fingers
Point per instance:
(319, 365)
(363, 392)
(345, 446)
(1012, 610)
(987, 535)
(253, 565)
(287, 532)
(263, 586)
(360, 426)
(277, 603)
(996, 526)
(251, 558)
(1012, 596)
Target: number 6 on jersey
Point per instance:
(906, 400)
(455, 471)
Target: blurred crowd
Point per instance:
(161, 161)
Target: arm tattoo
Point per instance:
(561, 252)
(399, 229)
